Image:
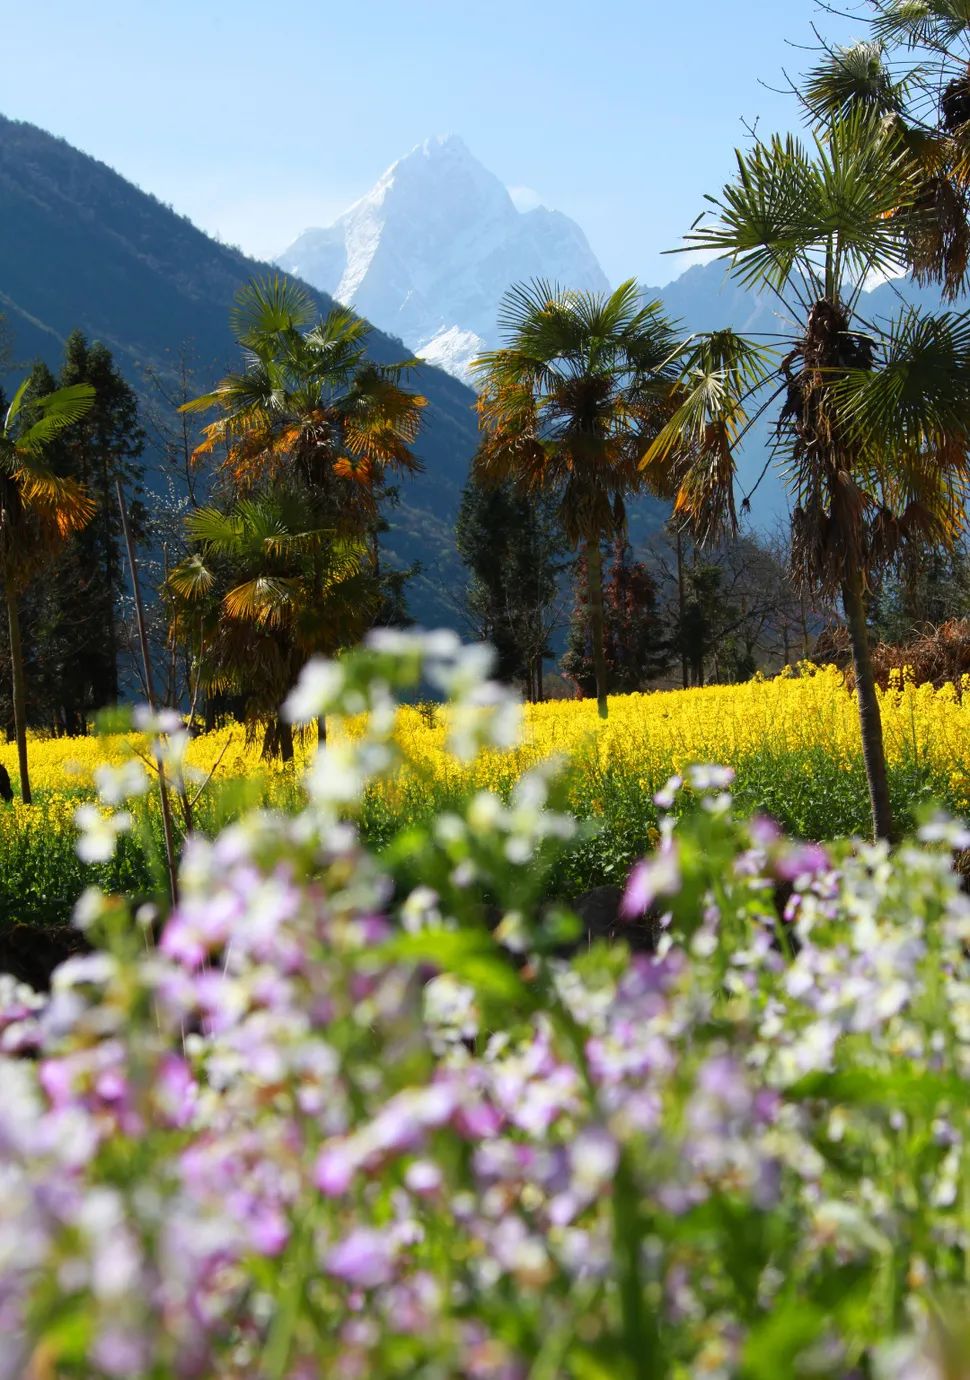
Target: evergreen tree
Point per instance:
(106, 446)
(704, 612)
(637, 650)
(39, 511)
(514, 549)
(53, 612)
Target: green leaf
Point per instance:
(921, 1091)
(58, 411)
(270, 306)
(853, 78)
(16, 404)
(774, 1345)
(118, 718)
(471, 955)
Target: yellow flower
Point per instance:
(646, 738)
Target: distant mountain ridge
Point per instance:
(430, 250)
(82, 247)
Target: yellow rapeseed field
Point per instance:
(648, 736)
(794, 741)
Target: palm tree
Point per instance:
(39, 510)
(310, 406)
(567, 406)
(873, 423)
(263, 593)
(913, 72)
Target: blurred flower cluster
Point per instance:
(365, 1114)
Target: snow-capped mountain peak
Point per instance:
(429, 251)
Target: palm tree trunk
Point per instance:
(19, 690)
(284, 738)
(321, 730)
(682, 605)
(597, 622)
(870, 720)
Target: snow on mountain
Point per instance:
(453, 349)
(429, 252)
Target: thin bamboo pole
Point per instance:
(150, 695)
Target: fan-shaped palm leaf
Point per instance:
(932, 24)
(854, 79)
(268, 307)
(918, 400)
(192, 579)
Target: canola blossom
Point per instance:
(793, 742)
(655, 734)
(317, 1120)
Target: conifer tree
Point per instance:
(515, 550)
(70, 614)
(107, 445)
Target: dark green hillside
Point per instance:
(81, 247)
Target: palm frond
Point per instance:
(266, 599)
(54, 413)
(853, 79)
(932, 24)
(192, 579)
(208, 525)
(16, 404)
(789, 216)
(59, 504)
(919, 398)
(270, 306)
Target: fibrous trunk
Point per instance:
(19, 692)
(870, 718)
(278, 740)
(597, 622)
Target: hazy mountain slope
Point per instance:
(82, 247)
(430, 250)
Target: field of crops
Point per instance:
(793, 741)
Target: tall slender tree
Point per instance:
(873, 425)
(567, 407)
(106, 445)
(39, 510)
(515, 552)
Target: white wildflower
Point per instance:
(99, 833)
(117, 784)
(316, 692)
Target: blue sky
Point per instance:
(261, 117)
